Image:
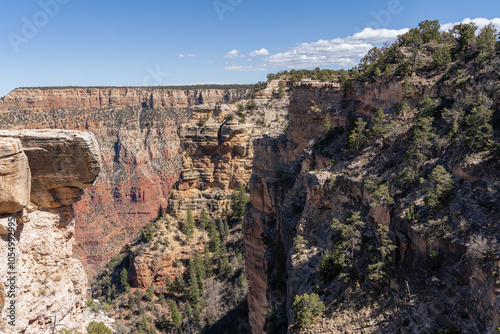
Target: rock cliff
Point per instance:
(305, 178)
(137, 131)
(43, 99)
(43, 173)
(217, 157)
(217, 146)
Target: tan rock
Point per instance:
(36, 100)
(48, 282)
(15, 177)
(58, 159)
(7, 224)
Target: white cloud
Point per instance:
(240, 68)
(234, 54)
(479, 21)
(376, 36)
(261, 52)
(344, 52)
(189, 55)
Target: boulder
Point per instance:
(15, 179)
(58, 159)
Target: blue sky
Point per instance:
(165, 42)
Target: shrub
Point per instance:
(332, 263)
(421, 141)
(252, 105)
(306, 308)
(147, 232)
(442, 57)
(299, 242)
(202, 121)
(412, 213)
(439, 184)
(478, 247)
(479, 130)
(98, 328)
(239, 201)
(357, 138)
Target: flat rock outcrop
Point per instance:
(42, 282)
(61, 162)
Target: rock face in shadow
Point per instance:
(306, 177)
(39, 234)
(137, 132)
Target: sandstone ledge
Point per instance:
(61, 162)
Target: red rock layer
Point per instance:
(139, 151)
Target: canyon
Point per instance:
(291, 144)
(137, 132)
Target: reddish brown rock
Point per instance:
(137, 132)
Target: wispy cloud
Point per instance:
(261, 52)
(189, 55)
(240, 68)
(234, 54)
(479, 21)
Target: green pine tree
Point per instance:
(439, 184)
(175, 315)
(421, 141)
(306, 308)
(193, 292)
(189, 225)
(124, 279)
(208, 262)
(380, 126)
(384, 250)
(204, 219)
(349, 241)
(357, 138)
(479, 131)
(239, 201)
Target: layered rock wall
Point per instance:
(137, 131)
(36, 100)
